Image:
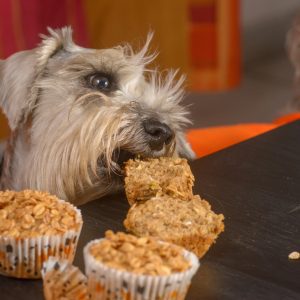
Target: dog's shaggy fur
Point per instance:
(66, 135)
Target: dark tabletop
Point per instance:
(256, 185)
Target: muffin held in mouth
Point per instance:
(156, 176)
(123, 266)
(33, 226)
(190, 224)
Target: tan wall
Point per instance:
(112, 22)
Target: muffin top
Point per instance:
(154, 176)
(161, 166)
(33, 213)
(169, 218)
(145, 255)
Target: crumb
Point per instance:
(294, 255)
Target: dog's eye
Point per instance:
(100, 82)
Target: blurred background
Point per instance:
(233, 51)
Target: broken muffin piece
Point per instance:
(190, 224)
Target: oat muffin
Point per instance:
(152, 177)
(123, 266)
(33, 226)
(191, 224)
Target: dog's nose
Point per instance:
(158, 133)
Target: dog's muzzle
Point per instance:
(158, 134)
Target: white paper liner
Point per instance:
(24, 257)
(108, 283)
(61, 280)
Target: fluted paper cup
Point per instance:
(24, 257)
(62, 280)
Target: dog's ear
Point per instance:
(18, 74)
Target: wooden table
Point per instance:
(256, 185)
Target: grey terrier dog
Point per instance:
(293, 49)
(77, 114)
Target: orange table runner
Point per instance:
(208, 140)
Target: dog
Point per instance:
(76, 114)
(293, 51)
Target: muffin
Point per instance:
(152, 177)
(33, 226)
(123, 266)
(63, 281)
(190, 224)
